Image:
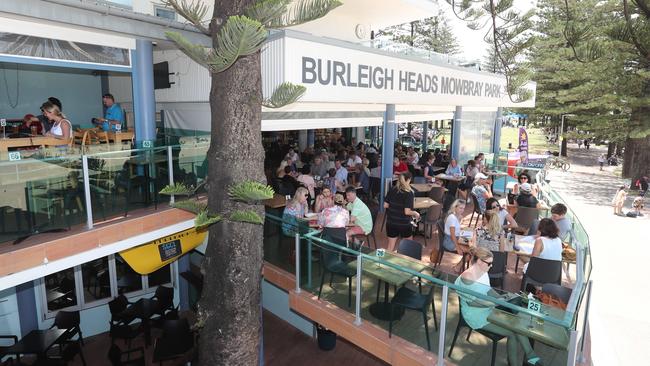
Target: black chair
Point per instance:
(70, 321)
(437, 194)
(116, 356)
(165, 297)
(430, 218)
(541, 271)
(563, 293)
(332, 261)
(477, 210)
(410, 248)
(525, 217)
(69, 350)
(176, 341)
(495, 338)
(412, 300)
(119, 325)
(498, 270)
(441, 248)
(3, 348)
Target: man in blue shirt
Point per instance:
(113, 116)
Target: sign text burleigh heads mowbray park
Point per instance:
(330, 72)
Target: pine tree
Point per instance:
(433, 34)
(491, 62)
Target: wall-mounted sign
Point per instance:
(349, 73)
(14, 155)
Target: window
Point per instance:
(164, 13)
(128, 280)
(60, 290)
(160, 276)
(96, 280)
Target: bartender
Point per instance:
(113, 116)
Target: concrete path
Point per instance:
(620, 312)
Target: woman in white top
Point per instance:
(307, 180)
(451, 241)
(62, 128)
(548, 245)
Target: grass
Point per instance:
(537, 142)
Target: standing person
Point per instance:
(113, 116)
(359, 214)
(61, 128)
(587, 142)
(642, 183)
(619, 201)
(399, 210)
(601, 161)
(451, 241)
(579, 143)
(475, 311)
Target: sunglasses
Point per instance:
(489, 264)
(524, 178)
(496, 206)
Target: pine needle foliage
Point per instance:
(250, 191)
(285, 94)
(246, 216)
(179, 189)
(191, 206)
(204, 219)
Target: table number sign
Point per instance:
(534, 306)
(146, 144)
(14, 155)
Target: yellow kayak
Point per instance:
(149, 257)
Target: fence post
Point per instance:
(89, 205)
(573, 347)
(443, 326)
(581, 356)
(357, 292)
(297, 263)
(170, 170)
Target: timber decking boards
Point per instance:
(285, 345)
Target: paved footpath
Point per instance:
(620, 311)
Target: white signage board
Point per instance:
(334, 73)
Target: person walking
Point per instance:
(619, 201)
(579, 143)
(587, 144)
(601, 161)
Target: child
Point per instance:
(637, 205)
(619, 201)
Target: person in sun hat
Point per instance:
(481, 190)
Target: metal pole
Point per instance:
(559, 136)
(581, 356)
(357, 292)
(89, 205)
(573, 348)
(170, 170)
(297, 263)
(309, 263)
(443, 326)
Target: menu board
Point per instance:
(170, 250)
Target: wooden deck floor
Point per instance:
(475, 352)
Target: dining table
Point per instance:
(546, 332)
(423, 203)
(424, 187)
(143, 309)
(389, 276)
(36, 342)
(6, 143)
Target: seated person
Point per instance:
(30, 125)
(505, 218)
(335, 216)
(341, 176)
(427, 167)
(295, 209)
(324, 200)
(521, 179)
(451, 242)
(399, 166)
(353, 159)
(453, 168)
(481, 190)
(364, 177)
(525, 197)
(547, 244)
(558, 215)
(476, 311)
(330, 181)
(359, 214)
(307, 180)
(491, 234)
(289, 184)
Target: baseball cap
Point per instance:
(525, 187)
(480, 176)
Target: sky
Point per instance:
(473, 47)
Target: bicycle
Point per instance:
(558, 163)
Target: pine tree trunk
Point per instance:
(637, 150)
(229, 309)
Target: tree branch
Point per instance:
(628, 21)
